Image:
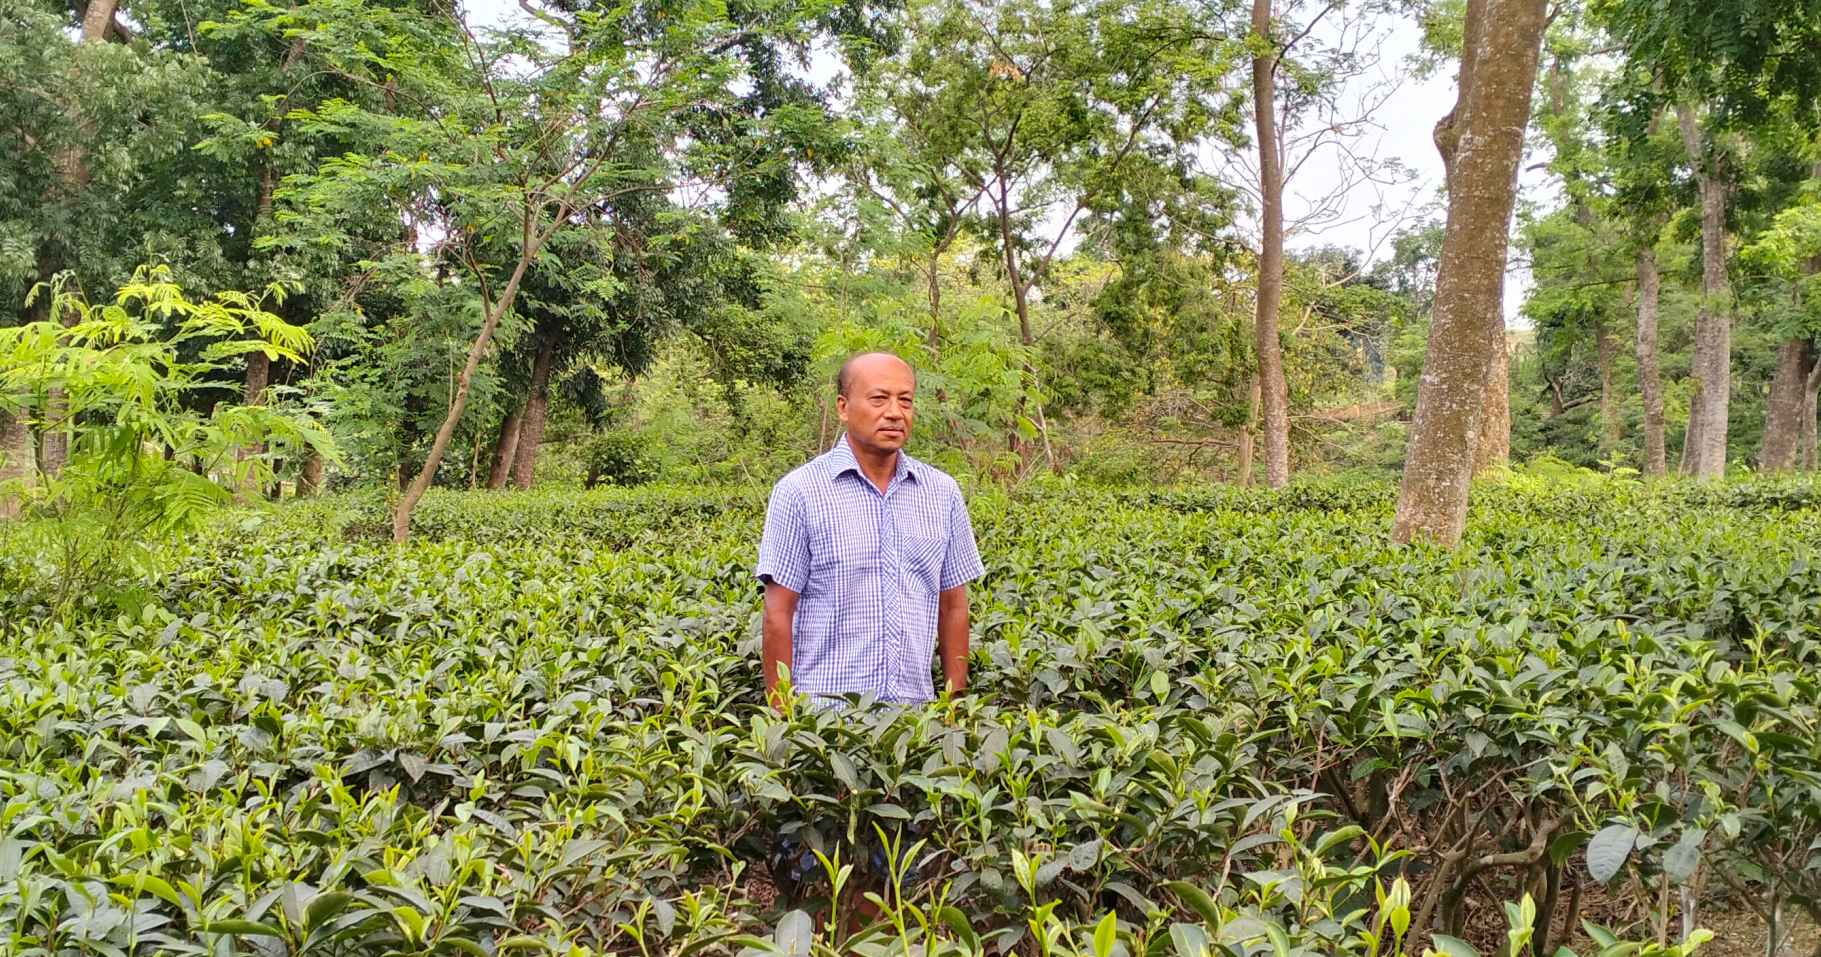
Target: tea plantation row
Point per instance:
(1203, 723)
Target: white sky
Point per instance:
(1401, 131)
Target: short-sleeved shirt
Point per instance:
(869, 567)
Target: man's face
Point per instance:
(877, 407)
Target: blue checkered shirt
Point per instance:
(869, 567)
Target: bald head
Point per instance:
(869, 364)
(876, 400)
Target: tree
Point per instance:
(926, 193)
(1788, 401)
(1580, 272)
(1641, 168)
(1481, 142)
(1587, 254)
(81, 112)
(16, 466)
(1723, 67)
(1316, 87)
(501, 144)
(1704, 449)
(1046, 109)
(1272, 391)
(149, 131)
(1788, 255)
(1650, 376)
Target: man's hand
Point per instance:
(775, 654)
(951, 636)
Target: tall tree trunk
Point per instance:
(537, 409)
(54, 435)
(15, 458)
(505, 450)
(474, 465)
(1481, 142)
(935, 297)
(1713, 323)
(1691, 439)
(1021, 300)
(259, 374)
(54, 440)
(72, 163)
(1650, 381)
(1607, 346)
(1248, 434)
(1492, 454)
(494, 311)
(97, 18)
(1809, 427)
(1273, 390)
(1783, 411)
(74, 160)
(310, 474)
(1806, 426)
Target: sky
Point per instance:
(1399, 129)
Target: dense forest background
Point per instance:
(625, 242)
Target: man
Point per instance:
(866, 556)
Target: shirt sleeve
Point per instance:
(962, 563)
(784, 549)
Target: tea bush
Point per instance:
(1203, 722)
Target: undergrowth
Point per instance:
(1204, 721)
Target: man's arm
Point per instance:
(951, 637)
(784, 568)
(960, 566)
(775, 652)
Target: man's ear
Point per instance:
(841, 407)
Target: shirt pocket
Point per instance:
(923, 556)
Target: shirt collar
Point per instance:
(841, 461)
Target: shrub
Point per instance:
(619, 457)
(143, 465)
(1202, 720)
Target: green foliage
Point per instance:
(618, 457)
(1782, 257)
(83, 127)
(1217, 715)
(143, 465)
(1742, 57)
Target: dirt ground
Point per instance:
(1740, 933)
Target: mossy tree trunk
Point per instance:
(537, 412)
(505, 450)
(1705, 455)
(16, 463)
(1481, 142)
(1492, 454)
(1788, 399)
